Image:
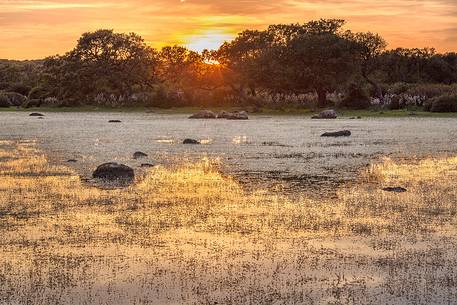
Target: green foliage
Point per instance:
(4, 100)
(356, 98)
(20, 88)
(103, 62)
(38, 93)
(445, 103)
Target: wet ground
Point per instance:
(267, 150)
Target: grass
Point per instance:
(265, 111)
(189, 234)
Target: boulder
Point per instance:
(241, 115)
(190, 141)
(36, 114)
(223, 115)
(342, 133)
(114, 172)
(326, 114)
(15, 99)
(139, 154)
(396, 189)
(237, 115)
(204, 114)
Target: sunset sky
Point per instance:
(31, 29)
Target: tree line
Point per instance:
(317, 63)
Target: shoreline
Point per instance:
(343, 113)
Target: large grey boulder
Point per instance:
(326, 114)
(204, 114)
(241, 115)
(237, 115)
(342, 133)
(114, 172)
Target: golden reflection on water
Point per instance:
(189, 234)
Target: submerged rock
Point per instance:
(327, 114)
(36, 114)
(204, 114)
(190, 141)
(114, 172)
(342, 133)
(396, 189)
(139, 154)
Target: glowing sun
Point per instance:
(210, 40)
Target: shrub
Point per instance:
(4, 100)
(38, 93)
(357, 98)
(20, 88)
(14, 99)
(399, 88)
(444, 103)
(431, 90)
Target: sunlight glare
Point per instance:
(211, 40)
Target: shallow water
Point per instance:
(269, 149)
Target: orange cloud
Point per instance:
(35, 29)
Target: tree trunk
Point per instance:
(321, 97)
(377, 89)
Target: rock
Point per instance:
(204, 114)
(114, 172)
(36, 114)
(223, 115)
(114, 121)
(397, 189)
(342, 133)
(14, 98)
(190, 141)
(72, 161)
(146, 165)
(237, 115)
(242, 115)
(139, 154)
(327, 114)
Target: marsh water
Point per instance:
(265, 149)
(188, 234)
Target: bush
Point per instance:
(38, 93)
(20, 88)
(4, 100)
(444, 103)
(357, 98)
(14, 99)
(431, 90)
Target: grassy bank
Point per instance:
(263, 111)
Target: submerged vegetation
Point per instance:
(188, 233)
(312, 65)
